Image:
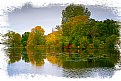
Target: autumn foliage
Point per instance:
(54, 38)
(36, 37)
(77, 30)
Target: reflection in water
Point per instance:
(67, 63)
(25, 55)
(87, 63)
(36, 56)
(14, 54)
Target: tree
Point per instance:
(74, 10)
(74, 19)
(51, 39)
(12, 39)
(55, 38)
(111, 27)
(74, 29)
(36, 37)
(25, 38)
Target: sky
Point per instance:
(22, 20)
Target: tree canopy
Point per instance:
(36, 37)
(12, 39)
(74, 10)
(25, 38)
(77, 30)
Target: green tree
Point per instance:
(25, 38)
(12, 39)
(74, 29)
(74, 10)
(111, 27)
(74, 19)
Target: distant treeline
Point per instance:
(77, 30)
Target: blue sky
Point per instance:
(22, 20)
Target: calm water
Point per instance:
(63, 63)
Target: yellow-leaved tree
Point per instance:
(54, 38)
(36, 37)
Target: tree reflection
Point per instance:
(75, 62)
(55, 56)
(25, 55)
(14, 54)
(91, 58)
(66, 59)
(36, 56)
(78, 63)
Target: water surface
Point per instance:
(70, 63)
